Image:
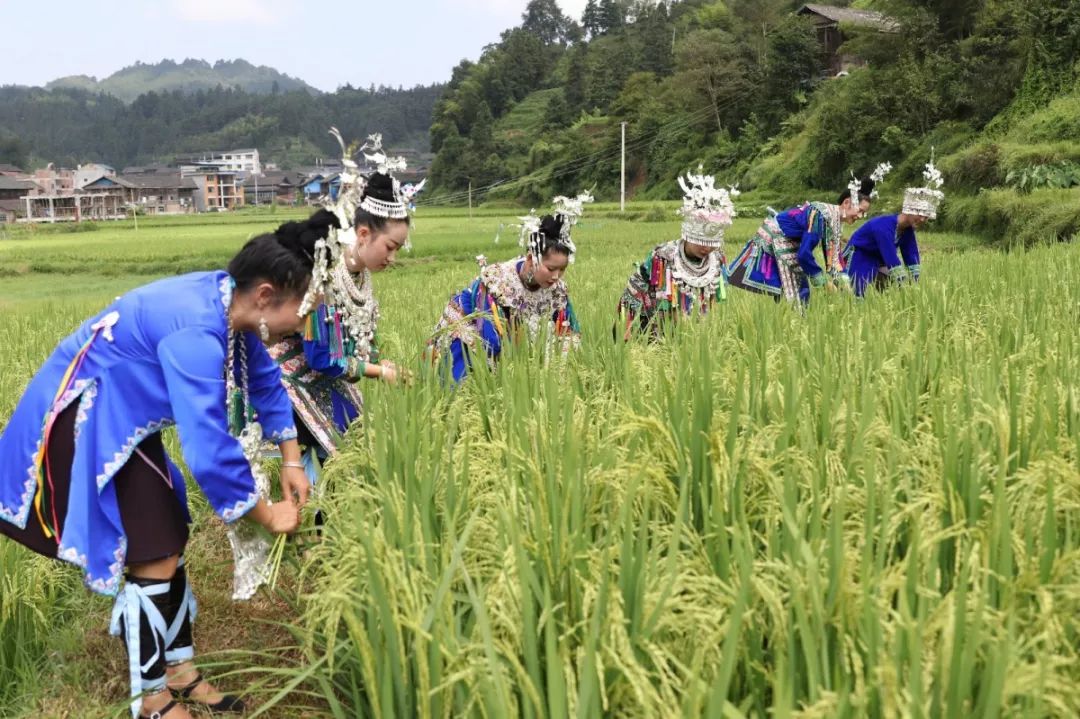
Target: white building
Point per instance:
(244, 162)
(85, 174)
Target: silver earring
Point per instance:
(264, 330)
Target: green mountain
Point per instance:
(188, 76)
(69, 126)
(749, 88)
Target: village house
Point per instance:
(244, 162)
(12, 190)
(270, 187)
(162, 193)
(830, 22)
(217, 189)
(85, 174)
(104, 198)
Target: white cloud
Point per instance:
(514, 8)
(573, 8)
(217, 12)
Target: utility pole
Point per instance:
(470, 199)
(622, 172)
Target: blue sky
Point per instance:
(360, 42)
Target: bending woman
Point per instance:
(779, 260)
(339, 346)
(86, 479)
(520, 297)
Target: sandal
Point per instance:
(228, 704)
(160, 713)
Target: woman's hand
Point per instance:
(284, 518)
(388, 372)
(276, 518)
(295, 485)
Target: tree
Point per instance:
(612, 16)
(13, 151)
(792, 58)
(544, 19)
(575, 87)
(712, 70)
(592, 20)
(557, 114)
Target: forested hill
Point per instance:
(187, 76)
(739, 85)
(70, 126)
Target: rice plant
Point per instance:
(871, 509)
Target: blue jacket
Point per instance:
(879, 238)
(153, 359)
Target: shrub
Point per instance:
(1013, 218)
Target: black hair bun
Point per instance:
(381, 187)
(300, 237)
(551, 227)
(867, 187)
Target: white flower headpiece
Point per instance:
(925, 200)
(707, 210)
(567, 211)
(879, 174)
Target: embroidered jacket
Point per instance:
(496, 307)
(153, 359)
(320, 384)
(812, 224)
(668, 284)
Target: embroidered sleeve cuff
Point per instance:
(817, 280)
(283, 435)
(354, 369)
(238, 510)
(915, 270)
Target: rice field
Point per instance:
(871, 509)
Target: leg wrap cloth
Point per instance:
(153, 618)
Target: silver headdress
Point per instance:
(566, 211)
(707, 210)
(925, 200)
(344, 304)
(402, 204)
(330, 252)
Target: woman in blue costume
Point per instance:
(85, 477)
(885, 251)
(338, 347)
(779, 260)
(517, 299)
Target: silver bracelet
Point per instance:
(296, 465)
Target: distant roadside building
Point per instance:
(12, 190)
(91, 171)
(273, 186)
(244, 162)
